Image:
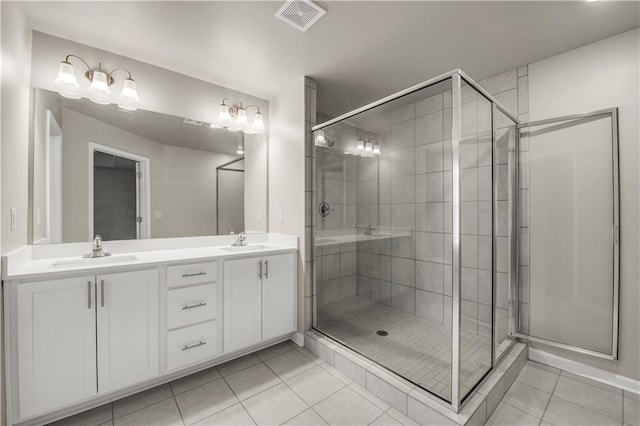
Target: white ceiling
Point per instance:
(358, 52)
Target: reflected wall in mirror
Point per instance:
(129, 175)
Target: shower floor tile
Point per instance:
(415, 348)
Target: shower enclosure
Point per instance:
(414, 233)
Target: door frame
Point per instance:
(53, 181)
(612, 113)
(143, 200)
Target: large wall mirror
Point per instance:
(97, 169)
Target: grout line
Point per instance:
(552, 394)
(239, 401)
(176, 401)
(113, 417)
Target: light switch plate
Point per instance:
(13, 219)
(281, 217)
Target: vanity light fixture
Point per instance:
(100, 82)
(234, 117)
(365, 148)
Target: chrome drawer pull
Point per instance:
(266, 269)
(197, 274)
(195, 345)
(197, 305)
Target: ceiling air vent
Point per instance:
(301, 14)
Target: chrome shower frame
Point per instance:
(457, 78)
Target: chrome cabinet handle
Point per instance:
(260, 269)
(194, 345)
(102, 293)
(266, 269)
(197, 274)
(197, 305)
(89, 294)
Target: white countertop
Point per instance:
(33, 262)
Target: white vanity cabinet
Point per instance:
(127, 324)
(56, 345)
(259, 300)
(79, 337)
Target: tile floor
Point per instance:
(283, 384)
(543, 395)
(416, 348)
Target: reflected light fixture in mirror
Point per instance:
(240, 150)
(234, 117)
(100, 82)
(365, 148)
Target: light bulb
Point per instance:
(376, 149)
(240, 149)
(224, 115)
(360, 145)
(258, 123)
(241, 119)
(320, 139)
(99, 83)
(129, 92)
(66, 76)
(368, 147)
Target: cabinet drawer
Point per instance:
(192, 344)
(195, 273)
(190, 305)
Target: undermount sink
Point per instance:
(250, 247)
(93, 261)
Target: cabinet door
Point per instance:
(127, 305)
(56, 339)
(278, 297)
(242, 304)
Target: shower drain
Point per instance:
(382, 333)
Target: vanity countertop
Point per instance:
(31, 263)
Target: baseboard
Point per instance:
(581, 369)
(297, 338)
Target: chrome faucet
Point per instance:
(96, 249)
(241, 240)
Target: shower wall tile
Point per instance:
(430, 276)
(403, 113)
(429, 105)
(509, 100)
(485, 217)
(402, 135)
(430, 306)
(403, 162)
(469, 284)
(501, 82)
(403, 271)
(403, 298)
(523, 94)
(429, 128)
(403, 189)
